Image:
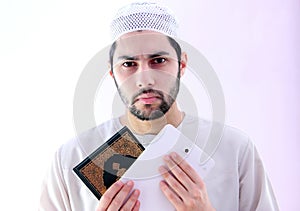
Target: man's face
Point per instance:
(146, 72)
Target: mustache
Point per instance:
(147, 91)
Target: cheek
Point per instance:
(119, 78)
(126, 85)
(165, 81)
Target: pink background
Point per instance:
(252, 45)
(254, 48)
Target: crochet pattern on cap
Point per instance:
(144, 16)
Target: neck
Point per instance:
(174, 117)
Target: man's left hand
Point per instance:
(182, 185)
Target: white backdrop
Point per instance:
(252, 45)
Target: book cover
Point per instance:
(109, 162)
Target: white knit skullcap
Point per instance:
(144, 16)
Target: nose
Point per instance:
(144, 77)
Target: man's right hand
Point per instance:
(116, 198)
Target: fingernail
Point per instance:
(129, 183)
(163, 185)
(173, 155)
(161, 169)
(166, 157)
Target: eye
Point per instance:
(158, 60)
(129, 64)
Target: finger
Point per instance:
(178, 173)
(109, 194)
(172, 182)
(119, 199)
(137, 206)
(130, 203)
(171, 196)
(187, 168)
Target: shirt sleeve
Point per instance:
(54, 195)
(255, 189)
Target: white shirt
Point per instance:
(236, 182)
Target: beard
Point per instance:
(149, 111)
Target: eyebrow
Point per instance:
(149, 56)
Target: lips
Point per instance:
(148, 98)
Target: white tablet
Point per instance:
(144, 171)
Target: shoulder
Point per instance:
(79, 147)
(235, 138)
(217, 138)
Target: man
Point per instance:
(146, 64)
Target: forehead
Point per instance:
(143, 43)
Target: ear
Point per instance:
(183, 63)
(110, 71)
